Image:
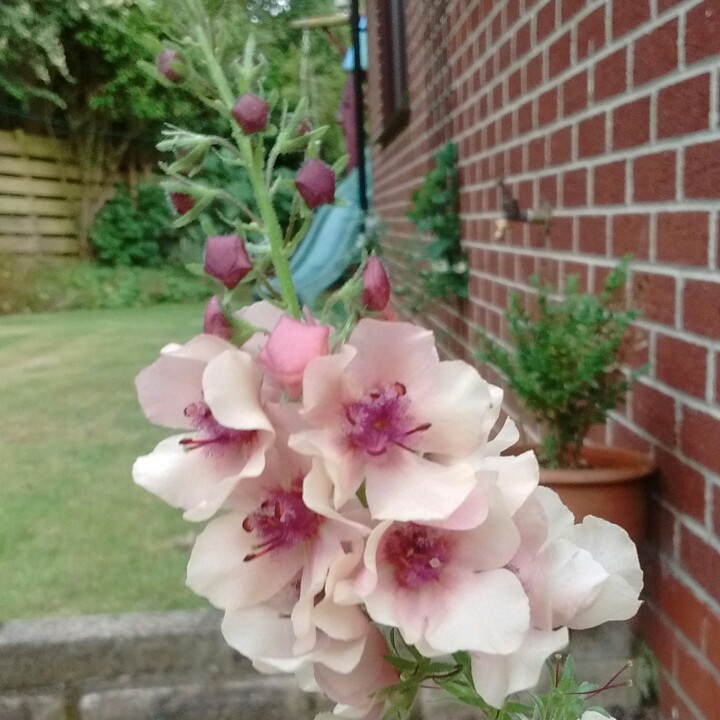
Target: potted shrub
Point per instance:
(565, 367)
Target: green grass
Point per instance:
(76, 535)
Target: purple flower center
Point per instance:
(380, 419)
(281, 521)
(214, 436)
(417, 554)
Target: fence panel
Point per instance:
(41, 194)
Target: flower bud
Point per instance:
(292, 345)
(250, 113)
(181, 202)
(315, 182)
(376, 286)
(214, 320)
(167, 63)
(226, 259)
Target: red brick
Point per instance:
(631, 234)
(562, 235)
(712, 626)
(656, 53)
(701, 308)
(631, 124)
(545, 21)
(591, 136)
(611, 75)
(575, 94)
(661, 527)
(684, 107)
(654, 177)
(699, 682)
(628, 15)
(548, 107)
(592, 235)
(591, 33)
(702, 170)
(654, 412)
(534, 72)
(656, 631)
(681, 364)
(575, 188)
(679, 604)
(672, 705)
(698, 434)
(682, 238)
(609, 182)
(681, 486)
(522, 40)
(560, 143)
(655, 295)
(559, 55)
(568, 8)
(525, 118)
(548, 190)
(514, 85)
(702, 31)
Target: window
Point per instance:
(393, 68)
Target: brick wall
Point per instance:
(608, 109)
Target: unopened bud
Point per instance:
(250, 113)
(226, 259)
(168, 64)
(315, 182)
(181, 202)
(376, 286)
(214, 320)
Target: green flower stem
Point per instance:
(253, 164)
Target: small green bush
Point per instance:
(133, 232)
(566, 360)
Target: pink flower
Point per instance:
(168, 63)
(579, 576)
(214, 320)
(386, 411)
(213, 389)
(376, 286)
(292, 345)
(446, 590)
(497, 676)
(226, 259)
(315, 182)
(276, 537)
(250, 113)
(359, 688)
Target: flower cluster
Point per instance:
(365, 528)
(356, 495)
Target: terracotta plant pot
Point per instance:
(611, 487)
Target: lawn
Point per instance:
(76, 535)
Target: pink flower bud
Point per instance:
(303, 128)
(215, 322)
(167, 63)
(315, 182)
(250, 113)
(181, 202)
(226, 259)
(290, 348)
(376, 286)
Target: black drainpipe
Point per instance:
(359, 107)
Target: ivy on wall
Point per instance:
(435, 212)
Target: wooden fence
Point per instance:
(43, 195)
